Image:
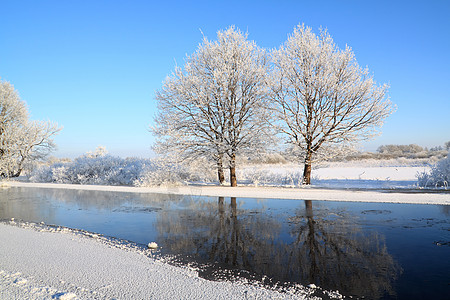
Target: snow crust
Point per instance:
(44, 263)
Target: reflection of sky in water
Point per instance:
(371, 249)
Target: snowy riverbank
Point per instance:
(40, 262)
(303, 193)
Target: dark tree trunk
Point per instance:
(220, 173)
(233, 180)
(307, 169)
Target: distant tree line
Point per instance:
(383, 152)
(411, 151)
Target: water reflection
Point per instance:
(325, 248)
(332, 251)
(34, 204)
(338, 246)
(221, 233)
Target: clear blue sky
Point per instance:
(94, 66)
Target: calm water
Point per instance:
(376, 251)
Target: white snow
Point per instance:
(374, 173)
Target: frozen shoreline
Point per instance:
(306, 193)
(59, 263)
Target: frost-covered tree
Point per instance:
(323, 99)
(21, 140)
(216, 107)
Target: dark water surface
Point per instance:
(370, 250)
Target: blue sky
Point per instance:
(94, 66)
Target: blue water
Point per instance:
(370, 250)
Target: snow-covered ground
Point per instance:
(303, 193)
(366, 175)
(369, 173)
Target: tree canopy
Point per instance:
(21, 140)
(216, 107)
(322, 99)
(231, 98)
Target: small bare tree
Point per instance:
(217, 106)
(322, 97)
(21, 140)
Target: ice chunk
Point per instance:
(152, 245)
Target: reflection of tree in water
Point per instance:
(220, 233)
(330, 251)
(324, 248)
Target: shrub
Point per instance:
(439, 175)
(103, 169)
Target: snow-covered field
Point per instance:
(336, 175)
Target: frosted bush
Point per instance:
(164, 173)
(97, 168)
(264, 176)
(439, 175)
(103, 169)
(168, 175)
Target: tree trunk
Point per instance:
(233, 180)
(307, 169)
(220, 172)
